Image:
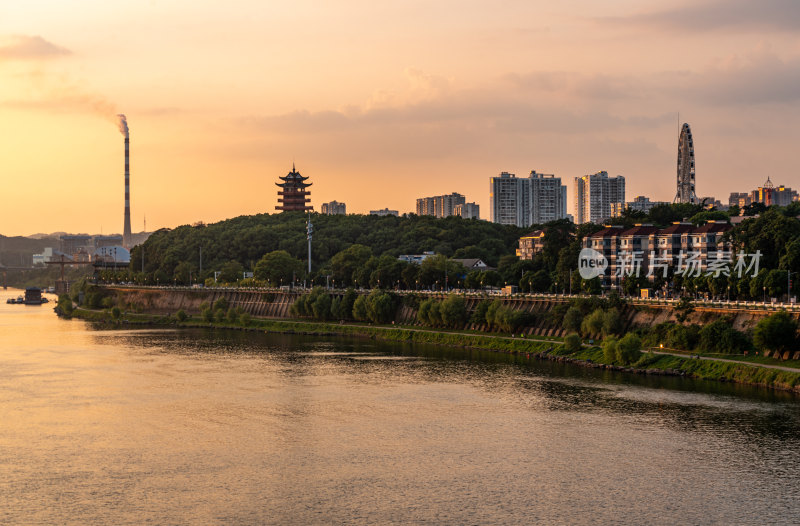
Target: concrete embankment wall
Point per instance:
(168, 301)
(276, 304)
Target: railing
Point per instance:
(716, 304)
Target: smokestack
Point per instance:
(126, 231)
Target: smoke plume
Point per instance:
(123, 124)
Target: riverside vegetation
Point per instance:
(597, 335)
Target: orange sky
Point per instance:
(380, 102)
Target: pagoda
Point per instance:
(293, 193)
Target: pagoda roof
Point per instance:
(293, 179)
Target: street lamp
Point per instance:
(764, 288)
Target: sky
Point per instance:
(380, 103)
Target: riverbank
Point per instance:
(650, 363)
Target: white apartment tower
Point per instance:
(536, 199)
(596, 195)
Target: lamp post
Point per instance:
(764, 289)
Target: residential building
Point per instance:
(415, 258)
(425, 206)
(536, 199)
(641, 203)
(769, 195)
(467, 211)
(334, 208)
(473, 264)
(665, 248)
(384, 212)
(508, 202)
(740, 199)
(531, 244)
(594, 195)
(440, 205)
(548, 198)
(617, 209)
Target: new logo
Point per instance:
(591, 263)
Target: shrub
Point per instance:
(221, 304)
(423, 314)
(321, 307)
(435, 313)
(453, 311)
(572, 319)
(610, 349)
(593, 324)
(775, 333)
(360, 308)
(207, 314)
(107, 302)
(479, 314)
(181, 315)
(491, 313)
(348, 300)
(719, 336)
(572, 343)
(65, 305)
(219, 315)
(612, 322)
(683, 337)
(245, 319)
(380, 307)
(116, 313)
(629, 349)
(232, 315)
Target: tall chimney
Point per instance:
(126, 231)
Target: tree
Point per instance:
(572, 319)
(683, 309)
(380, 307)
(322, 306)
(629, 349)
(610, 347)
(776, 333)
(720, 336)
(230, 272)
(572, 343)
(345, 262)
(360, 308)
(278, 267)
(181, 315)
(479, 314)
(453, 311)
(346, 310)
(593, 324)
(612, 322)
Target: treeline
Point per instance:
(361, 251)
(172, 254)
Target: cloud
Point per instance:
(728, 15)
(22, 47)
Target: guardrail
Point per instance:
(717, 304)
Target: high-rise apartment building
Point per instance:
(439, 205)
(425, 206)
(384, 212)
(535, 199)
(548, 198)
(334, 208)
(594, 195)
(467, 211)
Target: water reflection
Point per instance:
(201, 426)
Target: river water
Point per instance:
(202, 427)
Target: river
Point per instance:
(135, 426)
